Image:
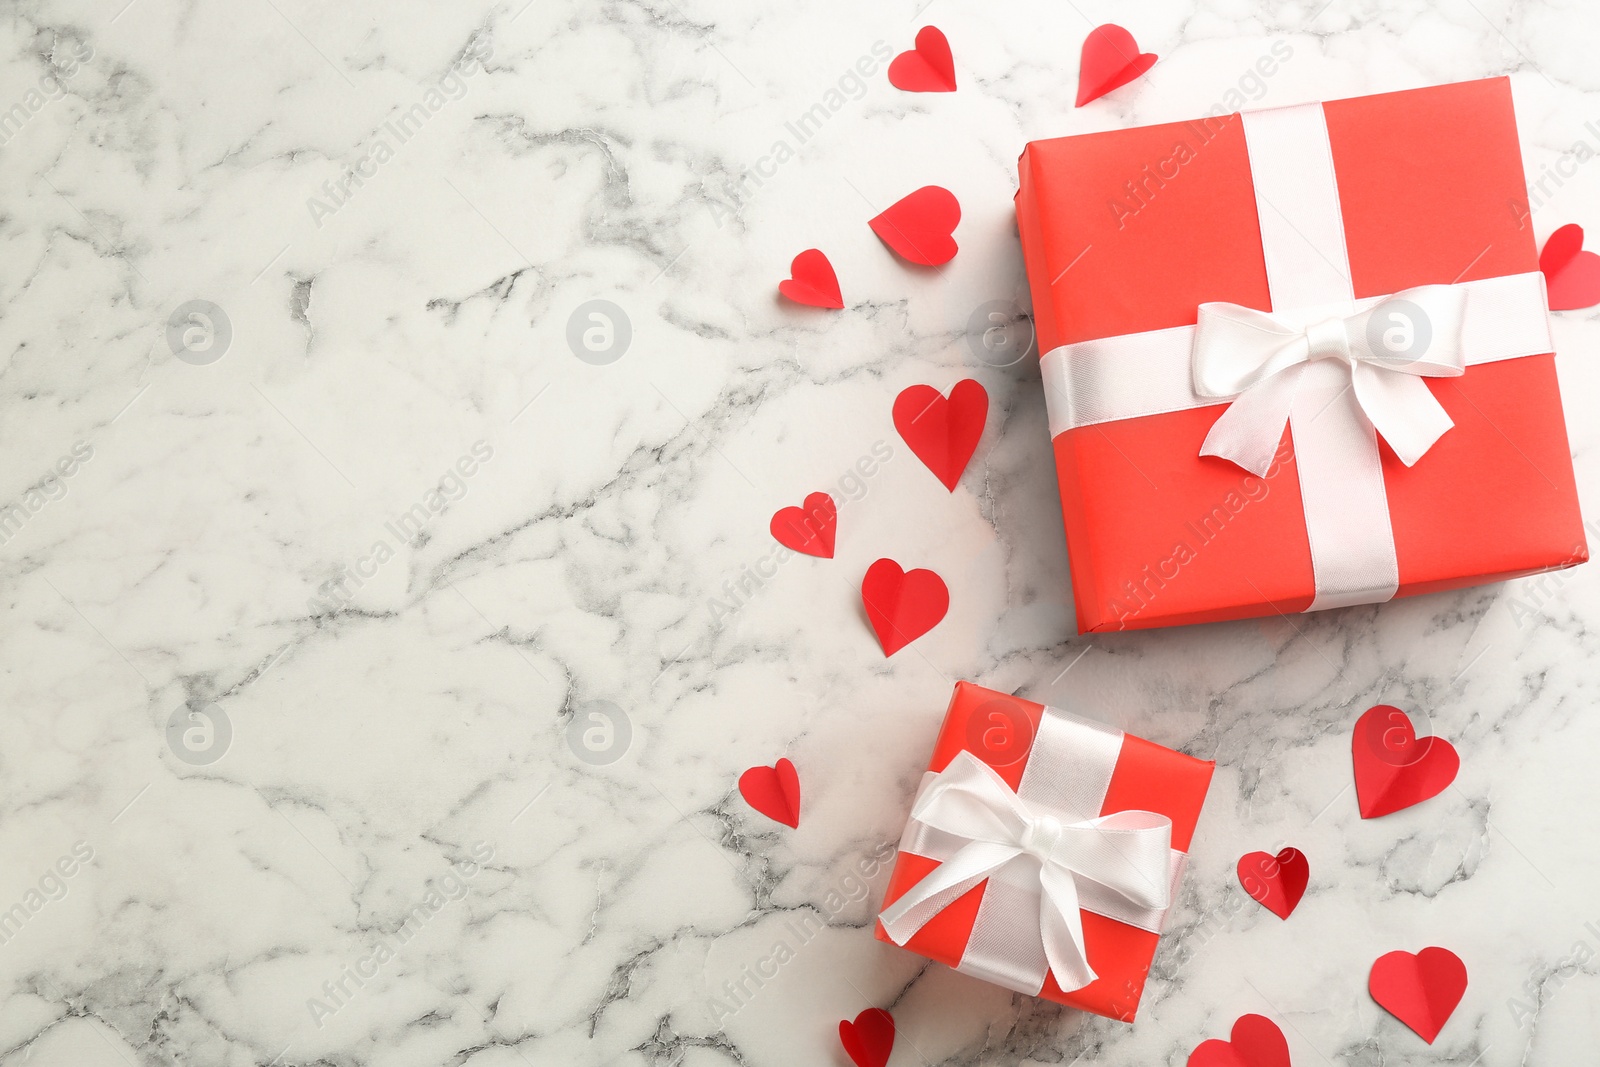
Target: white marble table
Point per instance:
(371, 516)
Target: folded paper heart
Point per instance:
(810, 528)
(812, 281)
(1276, 882)
(773, 791)
(1571, 275)
(1110, 60)
(1255, 1041)
(1420, 990)
(918, 227)
(927, 68)
(941, 432)
(902, 605)
(1394, 768)
(869, 1040)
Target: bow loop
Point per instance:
(1127, 853)
(1256, 360)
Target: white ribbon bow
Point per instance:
(1127, 853)
(1258, 359)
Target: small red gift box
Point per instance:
(1030, 792)
(1130, 235)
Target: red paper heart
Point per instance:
(918, 227)
(902, 605)
(869, 1039)
(1571, 275)
(809, 529)
(1422, 990)
(773, 791)
(927, 68)
(1256, 1042)
(1394, 768)
(942, 433)
(811, 281)
(1276, 882)
(1110, 60)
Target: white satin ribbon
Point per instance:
(1257, 361)
(1312, 362)
(1044, 863)
(1110, 379)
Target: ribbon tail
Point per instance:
(1402, 409)
(1061, 929)
(955, 876)
(1249, 430)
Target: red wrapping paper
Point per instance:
(999, 729)
(1431, 187)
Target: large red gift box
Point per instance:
(1002, 731)
(1132, 230)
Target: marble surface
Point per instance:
(377, 670)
